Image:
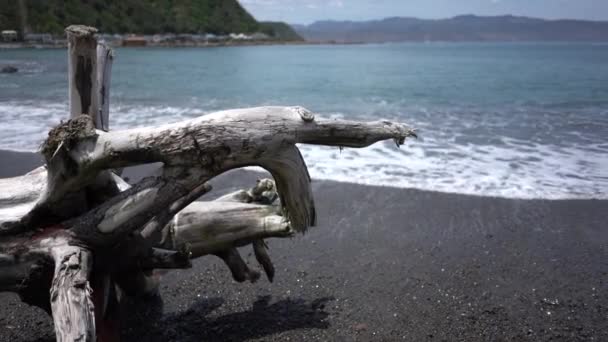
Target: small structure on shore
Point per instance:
(9, 36)
(134, 41)
(38, 38)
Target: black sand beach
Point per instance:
(385, 264)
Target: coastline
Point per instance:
(9, 46)
(384, 264)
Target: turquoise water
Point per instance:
(511, 120)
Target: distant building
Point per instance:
(41, 38)
(239, 36)
(9, 36)
(260, 36)
(185, 37)
(134, 41)
(157, 38)
(109, 39)
(210, 37)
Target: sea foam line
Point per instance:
(512, 168)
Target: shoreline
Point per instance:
(20, 45)
(11, 46)
(33, 159)
(384, 264)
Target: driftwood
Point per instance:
(74, 234)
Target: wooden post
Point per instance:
(89, 73)
(105, 57)
(89, 70)
(82, 70)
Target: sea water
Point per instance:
(519, 120)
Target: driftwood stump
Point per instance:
(73, 234)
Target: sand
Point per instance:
(385, 264)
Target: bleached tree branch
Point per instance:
(71, 294)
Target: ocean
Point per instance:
(516, 120)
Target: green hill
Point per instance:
(137, 16)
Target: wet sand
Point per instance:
(385, 264)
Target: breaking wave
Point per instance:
(458, 152)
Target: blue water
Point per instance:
(510, 120)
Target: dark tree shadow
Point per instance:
(146, 323)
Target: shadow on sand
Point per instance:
(143, 320)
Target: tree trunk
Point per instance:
(71, 303)
(82, 71)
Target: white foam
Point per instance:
(486, 170)
(25, 124)
(512, 168)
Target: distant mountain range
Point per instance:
(460, 28)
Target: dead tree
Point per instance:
(74, 235)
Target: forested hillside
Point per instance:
(136, 16)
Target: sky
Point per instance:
(308, 11)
